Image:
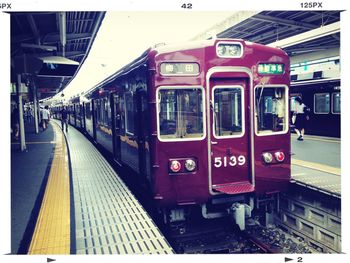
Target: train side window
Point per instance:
(271, 110)
(77, 109)
(180, 113)
(129, 113)
(101, 110)
(336, 103)
(97, 110)
(228, 111)
(88, 110)
(106, 112)
(321, 103)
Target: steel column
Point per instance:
(35, 110)
(20, 110)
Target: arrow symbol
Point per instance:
(287, 259)
(50, 260)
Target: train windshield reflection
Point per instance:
(180, 113)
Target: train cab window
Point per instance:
(336, 103)
(227, 110)
(180, 113)
(271, 110)
(321, 103)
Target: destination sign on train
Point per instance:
(181, 68)
(270, 68)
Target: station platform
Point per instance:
(316, 164)
(67, 199)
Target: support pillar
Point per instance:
(20, 110)
(35, 110)
(38, 108)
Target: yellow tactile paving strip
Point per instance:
(52, 142)
(52, 230)
(317, 166)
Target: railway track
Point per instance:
(213, 237)
(222, 237)
(263, 246)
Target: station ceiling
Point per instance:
(33, 34)
(269, 26)
(42, 34)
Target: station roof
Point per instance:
(46, 34)
(35, 34)
(267, 27)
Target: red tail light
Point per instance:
(175, 166)
(279, 156)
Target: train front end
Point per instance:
(220, 133)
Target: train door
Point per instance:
(117, 113)
(229, 143)
(142, 134)
(82, 108)
(94, 115)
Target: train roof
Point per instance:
(124, 70)
(209, 43)
(167, 48)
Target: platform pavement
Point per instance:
(322, 150)
(316, 163)
(29, 172)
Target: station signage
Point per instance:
(270, 68)
(46, 90)
(55, 66)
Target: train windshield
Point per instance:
(180, 113)
(228, 111)
(271, 109)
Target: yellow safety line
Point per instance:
(321, 139)
(34, 142)
(52, 230)
(317, 166)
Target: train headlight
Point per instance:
(233, 50)
(175, 166)
(229, 50)
(267, 157)
(190, 165)
(279, 156)
(221, 50)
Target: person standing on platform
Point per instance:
(15, 123)
(302, 116)
(28, 114)
(45, 117)
(64, 118)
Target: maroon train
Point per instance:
(205, 124)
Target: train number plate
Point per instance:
(227, 161)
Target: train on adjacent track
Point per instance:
(322, 97)
(204, 124)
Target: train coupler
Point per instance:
(239, 212)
